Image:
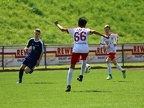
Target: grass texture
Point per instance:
(18, 19)
(46, 89)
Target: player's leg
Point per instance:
(24, 64)
(117, 65)
(28, 70)
(109, 68)
(119, 68)
(21, 71)
(74, 59)
(30, 66)
(81, 61)
(83, 66)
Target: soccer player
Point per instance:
(34, 55)
(80, 48)
(110, 44)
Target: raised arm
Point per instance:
(59, 26)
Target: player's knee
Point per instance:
(115, 63)
(72, 66)
(28, 70)
(22, 67)
(107, 61)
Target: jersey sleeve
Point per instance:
(29, 43)
(89, 31)
(42, 44)
(70, 30)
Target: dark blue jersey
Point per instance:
(36, 48)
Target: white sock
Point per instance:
(69, 76)
(81, 61)
(83, 66)
(109, 68)
(119, 67)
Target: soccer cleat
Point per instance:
(109, 77)
(80, 78)
(124, 73)
(68, 88)
(19, 81)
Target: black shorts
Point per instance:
(31, 63)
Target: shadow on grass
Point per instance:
(123, 81)
(42, 83)
(92, 91)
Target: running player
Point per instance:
(34, 56)
(110, 43)
(80, 48)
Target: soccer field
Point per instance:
(46, 89)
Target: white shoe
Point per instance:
(109, 77)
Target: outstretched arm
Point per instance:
(59, 26)
(96, 32)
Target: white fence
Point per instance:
(61, 54)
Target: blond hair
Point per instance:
(107, 26)
(37, 30)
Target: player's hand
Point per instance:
(108, 46)
(115, 44)
(26, 48)
(56, 22)
(106, 36)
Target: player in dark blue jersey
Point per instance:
(36, 49)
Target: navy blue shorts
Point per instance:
(30, 62)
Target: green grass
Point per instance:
(78, 66)
(45, 89)
(18, 19)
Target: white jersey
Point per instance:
(110, 43)
(80, 37)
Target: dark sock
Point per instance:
(110, 75)
(21, 74)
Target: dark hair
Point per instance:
(82, 22)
